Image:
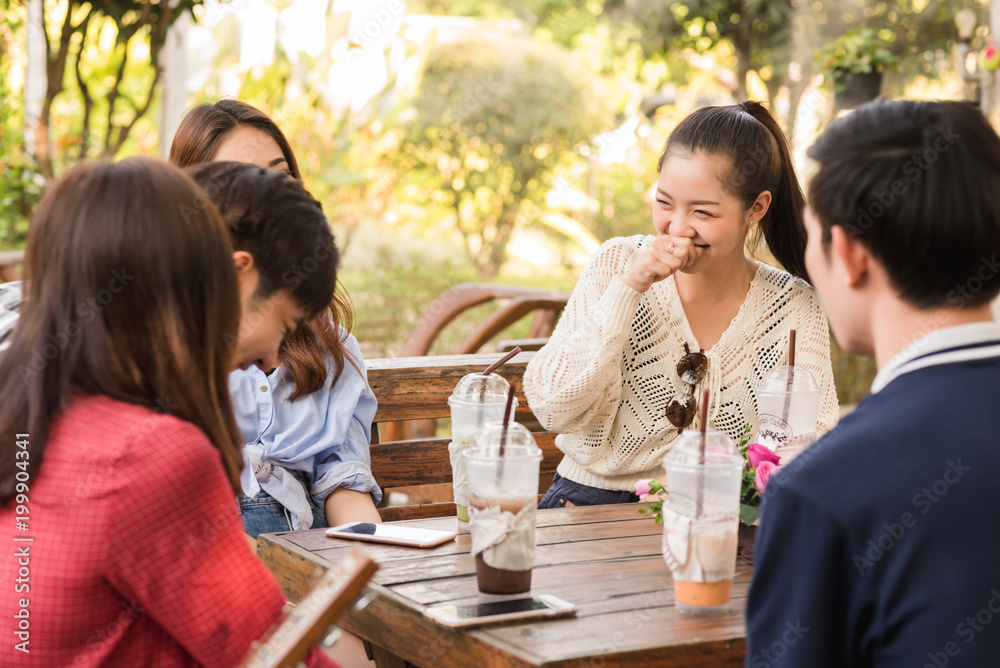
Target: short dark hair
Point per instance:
(918, 185)
(272, 217)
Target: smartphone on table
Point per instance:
(500, 610)
(391, 534)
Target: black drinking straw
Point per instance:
(503, 431)
(506, 419)
(701, 452)
(790, 379)
(500, 362)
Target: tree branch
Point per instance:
(156, 39)
(123, 132)
(125, 34)
(55, 69)
(88, 101)
(113, 95)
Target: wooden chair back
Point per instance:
(515, 303)
(290, 639)
(409, 388)
(518, 302)
(10, 261)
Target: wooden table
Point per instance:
(605, 559)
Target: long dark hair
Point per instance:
(204, 128)
(128, 296)
(197, 140)
(749, 138)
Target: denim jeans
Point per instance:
(263, 514)
(565, 493)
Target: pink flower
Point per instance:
(764, 472)
(642, 487)
(991, 56)
(758, 453)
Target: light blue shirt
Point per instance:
(324, 435)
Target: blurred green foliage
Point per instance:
(852, 374)
(391, 284)
(101, 86)
(20, 184)
(498, 118)
(427, 182)
(393, 279)
(861, 50)
(101, 76)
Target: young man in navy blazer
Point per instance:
(880, 545)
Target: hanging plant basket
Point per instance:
(853, 89)
(855, 62)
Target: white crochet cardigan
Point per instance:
(604, 378)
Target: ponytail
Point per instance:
(782, 227)
(750, 139)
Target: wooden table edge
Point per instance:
(300, 567)
(270, 547)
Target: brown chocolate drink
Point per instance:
(497, 580)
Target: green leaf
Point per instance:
(749, 514)
(744, 438)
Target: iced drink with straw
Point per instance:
(701, 518)
(477, 399)
(787, 407)
(503, 469)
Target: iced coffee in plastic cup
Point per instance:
(476, 400)
(701, 519)
(787, 408)
(503, 496)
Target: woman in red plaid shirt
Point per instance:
(119, 455)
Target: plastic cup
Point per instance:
(503, 496)
(476, 400)
(787, 411)
(701, 519)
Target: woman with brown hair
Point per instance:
(305, 426)
(118, 451)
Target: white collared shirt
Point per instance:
(961, 343)
(10, 308)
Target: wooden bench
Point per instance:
(409, 388)
(10, 261)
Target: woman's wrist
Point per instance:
(640, 283)
(629, 279)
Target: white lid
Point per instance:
(720, 450)
(776, 380)
(477, 388)
(485, 443)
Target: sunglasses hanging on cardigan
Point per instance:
(691, 369)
